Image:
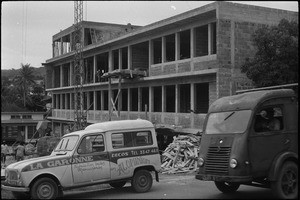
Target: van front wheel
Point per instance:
(142, 181)
(286, 186)
(44, 188)
(227, 187)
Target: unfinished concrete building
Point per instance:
(188, 61)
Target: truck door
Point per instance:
(90, 163)
(267, 139)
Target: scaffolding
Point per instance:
(120, 74)
(80, 120)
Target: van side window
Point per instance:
(269, 119)
(91, 144)
(131, 139)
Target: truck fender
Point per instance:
(278, 161)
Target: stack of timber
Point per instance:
(181, 155)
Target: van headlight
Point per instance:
(200, 162)
(233, 163)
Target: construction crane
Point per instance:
(80, 120)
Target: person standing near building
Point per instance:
(21, 137)
(20, 152)
(4, 152)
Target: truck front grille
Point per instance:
(217, 160)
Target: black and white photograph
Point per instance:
(149, 99)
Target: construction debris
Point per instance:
(181, 155)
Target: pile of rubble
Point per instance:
(181, 155)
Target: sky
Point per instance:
(27, 27)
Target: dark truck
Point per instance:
(252, 139)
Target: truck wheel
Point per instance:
(227, 187)
(286, 186)
(142, 181)
(118, 184)
(44, 188)
(21, 195)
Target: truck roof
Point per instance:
(115, 126)
(248, 100)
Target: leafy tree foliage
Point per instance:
(24, 80)
(276, 59)
(22, 93)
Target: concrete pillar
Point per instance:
(102, 100)
(61, 46)
(163, 49)
(177, 98)
(95, 100)
(110, 60)
(71, 73)
(26, 133)
(94, 69)
(209, 39)
(192, 91)
(129, 57)
(120, 58)
(129, 99)
(177, 46)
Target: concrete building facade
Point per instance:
(190, 60)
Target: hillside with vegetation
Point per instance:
(39, 73)
(20, 90)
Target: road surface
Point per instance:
(171, 187)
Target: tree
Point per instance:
(276, 59)
(24, 79)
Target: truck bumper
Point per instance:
(14, 189)
(239, 179)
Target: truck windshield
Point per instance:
(228, 122)
(66, 143)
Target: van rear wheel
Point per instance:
(286, 186)
(142, 181)
(227, 187)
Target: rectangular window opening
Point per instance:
(185, 44)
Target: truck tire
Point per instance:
(142, 181)
(227, 187)
(286, 186)
(118, 184)
(44, 188)
(21, 195)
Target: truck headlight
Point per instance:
(233, 163)
(200, 162)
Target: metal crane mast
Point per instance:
(79, 115)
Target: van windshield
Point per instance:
(67, 143)
(228, 122)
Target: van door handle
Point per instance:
(287, 141)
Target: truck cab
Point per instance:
(252, 139)
(112, 152)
